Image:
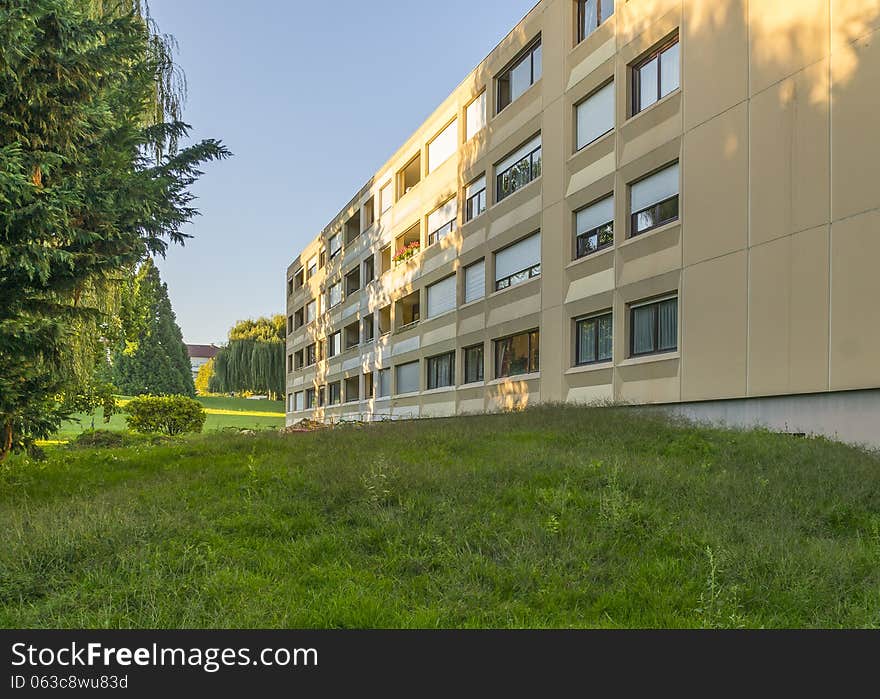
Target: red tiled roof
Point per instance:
(202, 351)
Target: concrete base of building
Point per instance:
(852, 417)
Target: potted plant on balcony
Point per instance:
(406, 252)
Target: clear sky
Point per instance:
(312, 97)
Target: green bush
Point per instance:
(171, 415)
(99, 439)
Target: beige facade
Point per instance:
(761, 268)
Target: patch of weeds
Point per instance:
(719, 606)
(377, 483)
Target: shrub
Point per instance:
(99, 439)
(171, 415)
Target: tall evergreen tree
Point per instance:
(153, 359)
(90, 184)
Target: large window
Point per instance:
(475, 197)
(518, 169)
(473, 364)
(591, 13)
(654, 327)
(311, 399)
(594, 227)
(441, 297)
(521, 74)
(335, 245)
(516, 355)
(595, 116)
(441, 371)
(409, 176)
(311, 311)
(475, 281)
(654, 200)
(335, 391)
(299, 402)
(312, 354)
(334, 344)
(386, 197)
(476, 116)
(656, 76)
(519, 262)
(443, 147)
(369, 269)
(407, 377)
(334, 295)
(593, 339)
(441, 221)
(369, 328)
(383, 385)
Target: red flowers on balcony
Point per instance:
(407, 252)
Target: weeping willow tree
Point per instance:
(253, 360)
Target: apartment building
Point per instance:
(664, 202)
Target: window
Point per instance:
(386, 197)
(335, 390)
(441, 371)
(475, 281)
(441, 221)
(352, 389)
(591, 13)
(369, 269)
(475, 196)
(409, 176)
(299, 401)
(352, 336)
(441, 297)
(476, 116)
(334, 344)
(385, 260)
(407, 377)
(289, 363)
(654, 200)
(369, 214)
(298, 359)
(353, 228)
(522, 73)
(335, 245)
(385, 320)
(312, 267)
(322, 396)
(654, 327)
(595, 116)
(353, 281)
(290, 287)
(473, 364)
(369, 386)
(518, 169)
(311, 354)
(516, 355)
(311, 401)
(383, 385)
(311, 310)
(656, 76)
(593, 340)
(334, 295)
(322, 259)
(369, 330)
(443, 147)
(289, 324)
(407, 312)
(594, 227)
(299, 318)
(518, 263)
(299, 278)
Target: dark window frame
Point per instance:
(311, 356)
(330, 391)
(577, 339)
(478, 197)
(535, 169)
(635, 72)
(606, 229)
(656, 330)
(530, 369)
(482, 363)
(582, 32)
(310, 401)
(659, 221)
(527, 54)
(430, 364)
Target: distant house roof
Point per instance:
(202, 351)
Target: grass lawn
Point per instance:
(222, 413)
(556, 517)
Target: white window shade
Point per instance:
(595, 115)
(443, 215)
(475, 281)
(592, 217)
(408, 378)
(652, 190)
(474, 187)
(385, 198)
(518, 257)
(441, 297)
(443, 147)
(518, 155)
(313, 263)
(476, 116)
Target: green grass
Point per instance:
(557, 517)
(81, 423)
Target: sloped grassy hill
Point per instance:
(553, 517)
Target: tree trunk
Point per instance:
(5, 440)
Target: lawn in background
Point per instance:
(556, 517)
(222, 413)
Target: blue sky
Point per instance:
(312, 98)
